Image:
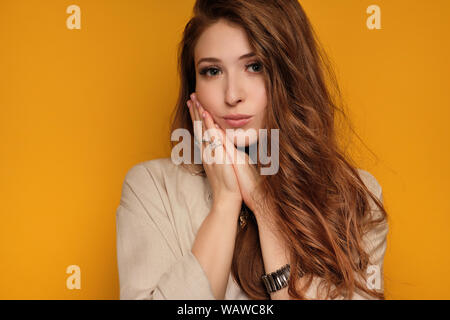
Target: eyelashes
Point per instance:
(205, 71)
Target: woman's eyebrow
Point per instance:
(212, 59)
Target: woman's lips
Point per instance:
(238, 122)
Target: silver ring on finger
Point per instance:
(215, 144)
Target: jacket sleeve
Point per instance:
(375, 242)
(151, 264)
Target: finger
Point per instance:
(215, 134)
(200, 110)
(205, 134)
(191, 112)
(196, 125)
(242, 158)
(210, 125)
(198, 120)
(228, 144)
(202, 118)
(211, 153)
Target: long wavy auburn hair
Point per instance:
(321, 205)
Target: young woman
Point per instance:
(315, 229)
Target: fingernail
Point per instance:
(188, 104)
(203, 115)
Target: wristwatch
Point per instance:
(277, 280)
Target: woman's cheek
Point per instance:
(208, 103)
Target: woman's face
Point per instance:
(230, 82)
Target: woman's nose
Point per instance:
(234, 91)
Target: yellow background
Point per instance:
(80, 107)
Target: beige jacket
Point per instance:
(161, 209)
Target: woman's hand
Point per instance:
(247, 176)
(245, 173)
(220, 175)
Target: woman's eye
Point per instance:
(253, 65)
(206, 70)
